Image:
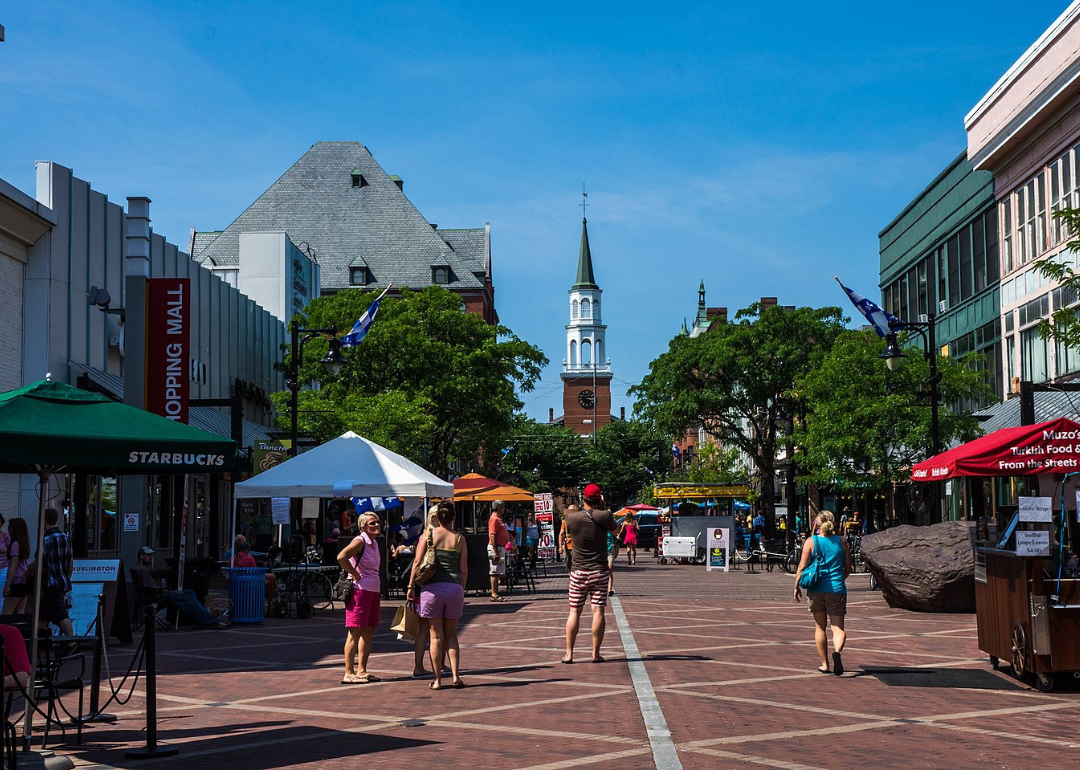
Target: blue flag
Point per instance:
(882, 321)
(360, 328)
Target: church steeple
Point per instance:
(585, 278)
(702, 313)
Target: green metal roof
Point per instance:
(585, 279)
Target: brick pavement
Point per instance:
(729, 656)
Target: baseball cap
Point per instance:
(147, 550)
(592, 490)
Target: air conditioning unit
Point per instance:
(923, 318)
(943, 305)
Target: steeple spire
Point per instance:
(585, 279)
(702, 313)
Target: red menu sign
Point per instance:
(168, 347)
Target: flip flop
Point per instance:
(365, 678)
(597, 659)
(431, 686)
(459, 685)
(423, 675)
(498, 598)
(568, 661)
(837, 664)
(350, 679)
(825, 670)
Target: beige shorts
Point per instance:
(835, 605)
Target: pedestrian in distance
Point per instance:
(5, 548)
(564, 539)
(828, 595)
(442, 597)
(630, 538)
(589, 530)
(361, 560)
(57, 563)
(498, 539)
(17, 586)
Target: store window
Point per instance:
(1034, 356)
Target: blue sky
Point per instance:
(760, 147)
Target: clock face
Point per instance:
(586, 399)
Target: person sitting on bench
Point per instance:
(185, 602)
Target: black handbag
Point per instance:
(344, 586)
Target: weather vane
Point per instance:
(584, 200)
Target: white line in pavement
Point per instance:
(665, 755)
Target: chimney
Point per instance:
(551, 415)
(716, 312)
(768, 302)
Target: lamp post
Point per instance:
(332, 361)
(893, 354)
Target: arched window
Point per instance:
(586, 309)
(599, 352)
(573, 352)
(586, 353)
(596, 310)
(573, 309)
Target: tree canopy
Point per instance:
(865, 426)
(430, 381)
(732, 380)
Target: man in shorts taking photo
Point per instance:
(589, 530)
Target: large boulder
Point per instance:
(925, 569)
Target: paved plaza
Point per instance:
(724, 673)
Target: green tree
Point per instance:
(538, 456)
(430, 381)
(730, 381)
(715, 465)
(865, 425)
(629, 455)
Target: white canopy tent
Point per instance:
(348, 466)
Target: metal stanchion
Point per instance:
(152, 748)
(95, 672)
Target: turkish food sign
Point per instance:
(1050, 447)
(168, 347)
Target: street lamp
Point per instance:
(332, 361)
(893, 354)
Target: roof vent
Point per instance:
(398, 181)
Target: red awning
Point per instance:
(1049, 447)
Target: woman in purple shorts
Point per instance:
(442, 598)
(361, 560)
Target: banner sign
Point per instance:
(546, 523)
(719, 549)
(1049, 447)
(543, 502)
(266, 454)
(168, 347)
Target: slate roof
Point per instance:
(373, 224)
(1048, 406)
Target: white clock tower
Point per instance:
(586, 373)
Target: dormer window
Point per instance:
(358, 179)
(359, 276)
(440, 274)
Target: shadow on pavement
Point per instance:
(320, 745)
(961, 678)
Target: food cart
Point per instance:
(1027, 581)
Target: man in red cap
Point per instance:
(588, 530)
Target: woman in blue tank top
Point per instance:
(828, 595)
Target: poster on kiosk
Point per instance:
(544, 508)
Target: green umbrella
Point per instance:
(50, 427)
